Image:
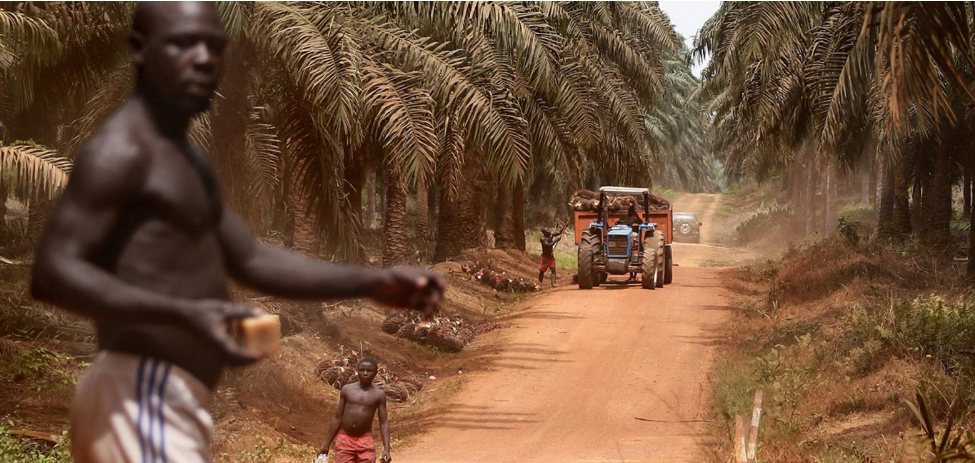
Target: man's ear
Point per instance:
(137, 48)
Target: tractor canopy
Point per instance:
(624, 190)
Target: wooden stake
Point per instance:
(753, 432)
(739, 443)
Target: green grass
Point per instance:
(14, 449)
(566, 260)
(41, 367)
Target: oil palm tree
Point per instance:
(678, 124)
(319, 90)
(822, 85)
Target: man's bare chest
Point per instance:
(362, 398)
(180, 193)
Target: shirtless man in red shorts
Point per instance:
(549, 240)
(358, 403)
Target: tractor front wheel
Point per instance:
(587, 252)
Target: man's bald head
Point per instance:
(150, 16)
(177, 49)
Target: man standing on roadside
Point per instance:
(351, 428)
(142, 244)
(547, 262)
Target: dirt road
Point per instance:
(614, 374)
(717, 233)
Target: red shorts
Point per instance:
(547, 262)
(355, 449)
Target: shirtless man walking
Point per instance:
(352, 424)
(141, 243)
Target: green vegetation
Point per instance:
(841, 334)
(331, 110)
(35, 366)
(836, 100)
(14, 449)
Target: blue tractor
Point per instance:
(624, 240)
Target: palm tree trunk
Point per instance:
(865, 178)
(562, 204)
(380, 196)
(228, 126)
(902, 211)
(971, 216)
(304, 237)
(829, 197)
(370, 213)
(967, 189)
(37, 212)
(396, 239)
(504, 224)
(875, 174)
(284, 218)
(810, 203)
(518, 215)
(354, 182)
(798, 187)
(918, 193)
(433, 210)
(885, 208)
(3, 202)
(971, 247)
(460, 221)
(422, 210)
(938, 216)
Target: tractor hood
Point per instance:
(620, 230)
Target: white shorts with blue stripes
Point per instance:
(132, 409)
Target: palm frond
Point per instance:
(262, 154)
(35, 171)
(318, 55)
(492, 127)
(400, 113)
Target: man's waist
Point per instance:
(170, 344)
(119, 359)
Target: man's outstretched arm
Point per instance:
(285, 273)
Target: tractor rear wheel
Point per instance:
(661, 256)
(587, 254)
(668, 264)
(651, 263)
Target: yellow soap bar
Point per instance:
(260, 334)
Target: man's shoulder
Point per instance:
(121, 132)
(114, 150)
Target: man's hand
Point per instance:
(211, 318)
(411, 288)
(386, 458)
